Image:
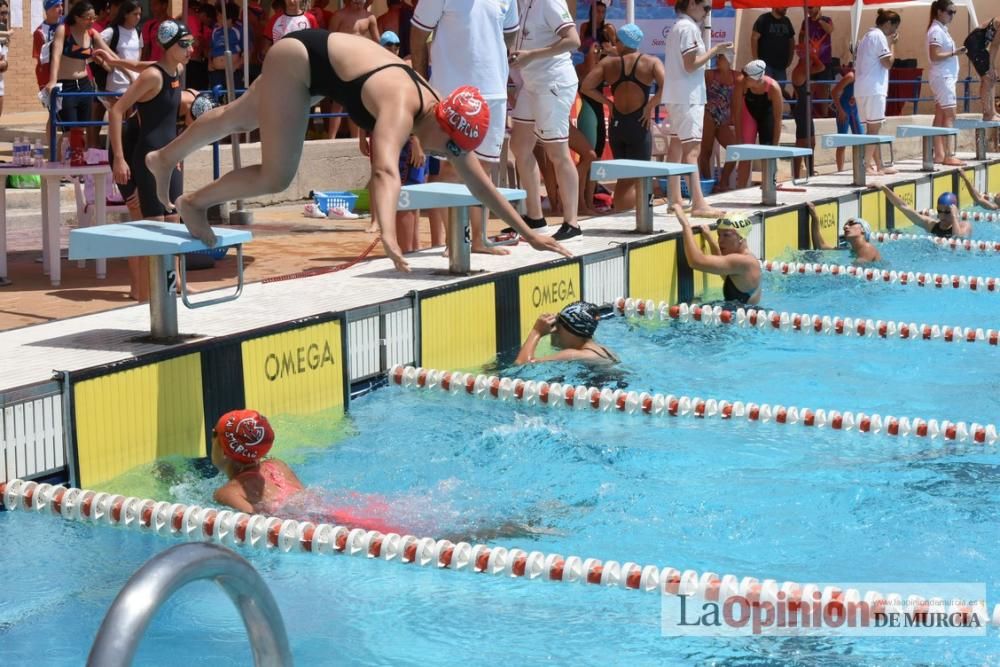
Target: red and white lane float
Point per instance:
(970, 245)
(235, 529)
(558, 396)
(975, 216)
(872, 275)
(820, 325)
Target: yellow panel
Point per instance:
(139, 415)
(993, 177)
(781, 234)
(547, 292)
(707, 286)
(474, 343)
(908, 193)
(964, 196)
(652, 272)
(873, 209)
(942, 184)
(296, 372)
(829, 222)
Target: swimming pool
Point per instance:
(761, 500)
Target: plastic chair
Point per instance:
(83, 188)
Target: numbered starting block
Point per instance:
(459, 200)
(926, 135)
(162, 242)
(645, 172)
(857, 143)
(980, 126)
(768, 156)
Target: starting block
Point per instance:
(645, 172)
(926, 135)
(768, 156)
(857, 143)
(161, 242)
(458, 200)
(980, 126)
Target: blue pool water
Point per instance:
(760, 500)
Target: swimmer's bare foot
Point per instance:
(485, 250)
(707, 212)
(196, 220)
(161, 171)
(889, 171)
(372, 228)
(393, 253)
(952, 161)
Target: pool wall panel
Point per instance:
(908, 193)
(829, 222)
(993, 172)
(31, 432)
(964, 196)
(458, 328)
(604, 277)
(653, 271)
(925, 191)
(222, 379)
(873, 209)
(547, 291)
(398, 330)
(134, 416)
(850, 207)
(364, 335)
(942, 184)
(296, 372)
(781, 234)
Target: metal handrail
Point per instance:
(157, 580)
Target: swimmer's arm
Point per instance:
(233, 496)
(737, 114)
(472, 174)
(709, 238)
(418, 49)
(976, 194)
(838, 90)
(591, 86)
(922, 221)
(722, 265)
(818, 242)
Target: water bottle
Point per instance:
(17, 151)
(25, 148)
(38, 154)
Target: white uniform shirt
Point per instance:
(468, 48)
(938, 34)
(541, 21)
(130, 48)
(286, 24)
(871, 76)
(681, 86)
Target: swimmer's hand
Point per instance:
(540, 242)
(121, 171)
(545, 324)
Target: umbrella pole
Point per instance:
(240, 216)
(807, 52)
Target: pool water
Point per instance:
(751, 499)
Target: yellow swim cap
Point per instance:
(737, 222)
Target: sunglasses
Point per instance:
(952, 12)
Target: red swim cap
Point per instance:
(245, 435)
(464, 116)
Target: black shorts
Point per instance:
(978, 45)
(76, 108)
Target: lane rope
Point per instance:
(780, 321)
(911, 278)
(975, 216)
(233, 529)
(555, 395)
(970, 245)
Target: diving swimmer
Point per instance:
(572, 331)
(856, 237)
(381, 93)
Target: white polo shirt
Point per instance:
(468, 48)
(871, 76)
(541, 21)
(683, 87)
(938, 34)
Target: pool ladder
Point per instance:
(153, 583)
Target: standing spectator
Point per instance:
(122, 36)
(720, 83)
(471, 38)
(41, 41)
(685, 96)
(151, 49)
(291, 18)
(632, 74)
(983, 46)
(217, 54)
(320, 13)
(353, 18)
(546, 95)
(773, 41)
(846, 108)
(200, 25)
(875, 55)
(943, 58)
(597, 40)
(818, 29)
(397, 19)
(255, 50)
(757, 103)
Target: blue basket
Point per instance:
(332, 199)
(214, 253)
(707, 185)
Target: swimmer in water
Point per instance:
(984, 200)
(856, 237)
(572, 331)
(730, 257)
(948, 224)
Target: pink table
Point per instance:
(52, 174)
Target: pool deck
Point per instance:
(55, 329)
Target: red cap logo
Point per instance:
(465, 117)
(245, 435)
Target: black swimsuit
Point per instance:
(730, 292)
(157, 128)
(978, 45)
(761, 109)
(938, 230)
(629, 139)
(324, 81)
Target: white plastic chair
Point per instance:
(83, 188)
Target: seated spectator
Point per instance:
(757, 104)
(632, 75)
(948, 223)
(730, 257)
(856, 238)
(572, 332)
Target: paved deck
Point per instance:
(57, 329)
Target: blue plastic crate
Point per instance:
(214, 253)
(332, 199)
(707, 185)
